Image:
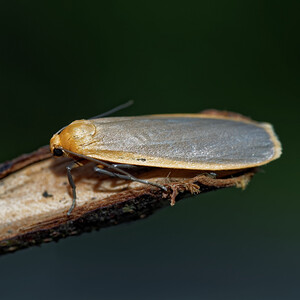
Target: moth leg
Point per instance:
(111, 174)
(72, 184)
(109, 166)
(124, 166)
(126, 177)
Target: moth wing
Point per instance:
(184, 142)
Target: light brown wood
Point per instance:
(34, 200)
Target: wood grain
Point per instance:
(35, 197)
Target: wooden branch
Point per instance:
(35, 197)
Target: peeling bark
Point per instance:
(35, 197)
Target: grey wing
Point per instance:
(192, 140)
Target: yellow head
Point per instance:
(72, 138)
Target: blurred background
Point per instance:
(66, 60)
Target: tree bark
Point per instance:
(35, 197)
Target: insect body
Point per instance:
(180, 141)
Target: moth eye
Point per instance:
(57, 152)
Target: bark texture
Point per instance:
(35, 197)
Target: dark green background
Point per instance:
(64, 60)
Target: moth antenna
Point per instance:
(107, 113)
(112, 111)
